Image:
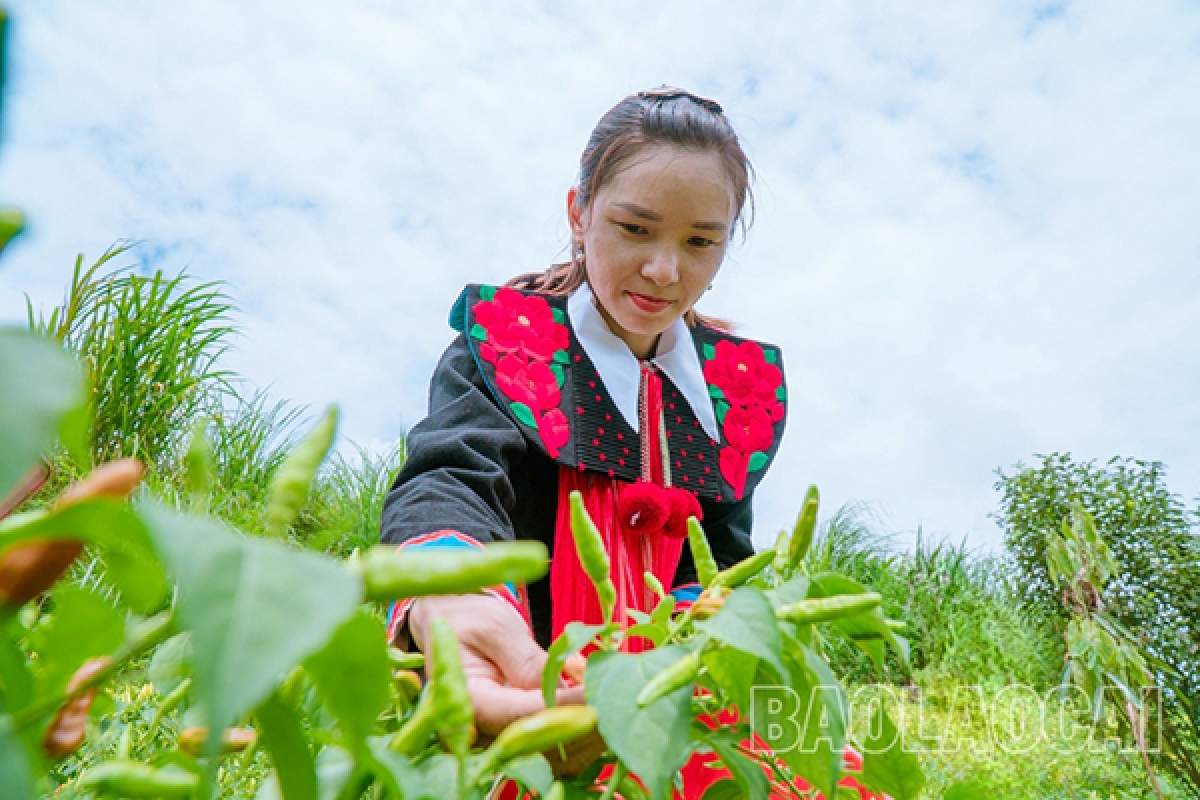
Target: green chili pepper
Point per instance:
(557, 792)
(289, 485)
(455, 718)
(414, 734)
(389, 573)
(782, 541)
(589, 544)
(802, 534)
(706, 567)
(133, 779)
(654, 583)
(676, 676)
(744, 570)
(824, 609)
(403, 660)
(197, 463)
(538, 733)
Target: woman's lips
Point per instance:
(651, 305)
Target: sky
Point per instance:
(976, 237)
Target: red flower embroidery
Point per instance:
(554, 430)
(743, 375)
(749, 428)
(530, 383)
(524, 324)
(735, 467)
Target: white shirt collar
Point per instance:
(619, 369)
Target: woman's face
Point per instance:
(653, 239)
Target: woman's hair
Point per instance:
(656, 117)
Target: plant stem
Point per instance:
(618, 775)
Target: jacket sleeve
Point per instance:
(459, 461)
(727, 526)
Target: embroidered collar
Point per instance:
(619, 368)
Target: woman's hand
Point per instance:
(502, 662)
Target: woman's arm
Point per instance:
(459, 460)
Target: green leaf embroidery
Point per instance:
(559, 316)
(781, 394)
(722, 410)
(479, 332)
(710, 352)
(522, 412)
(558, 374)
(758, 460)
(715, 391)
(770, 356)
(487, 293)
(561, 357)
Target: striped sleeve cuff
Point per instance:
(513, 594)
(685, 594)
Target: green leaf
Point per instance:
(750, 780)
(651, 741)
(722, 410)
(12, 222)
(819, 718)
(732, 670)
(724, 790)
(715, 392)
(532, 772)
(16, 776)
(559, 316)
(522, 412)
(171, 663)
(487, 293)
(770, 356)
(16, 681)
(781, 394)
(869, 630)
(575, 637)
(284, 739)
(561, 357)
(353, 674)
(747, 622)
(82, 626)
(479, 332)
(255, 607)
(758, 460)
(887, 766)
(112, 526)
(791, 591)
(710, 352)
(40, 385)
(559, 376)
(435, 778)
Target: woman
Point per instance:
(597, 375)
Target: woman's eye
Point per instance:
(700, 241)
(631, 228)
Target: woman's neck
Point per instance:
(642, 345)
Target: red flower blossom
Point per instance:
(643, 508)
(532, 384)
(735, 466)
(518, 323)
(749, 428)
(683, 505)
(554, 430)
(742, 373)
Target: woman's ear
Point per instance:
(574, 215)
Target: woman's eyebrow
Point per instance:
(645, 213)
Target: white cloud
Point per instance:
(976, 236)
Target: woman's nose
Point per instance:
(663, 269)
